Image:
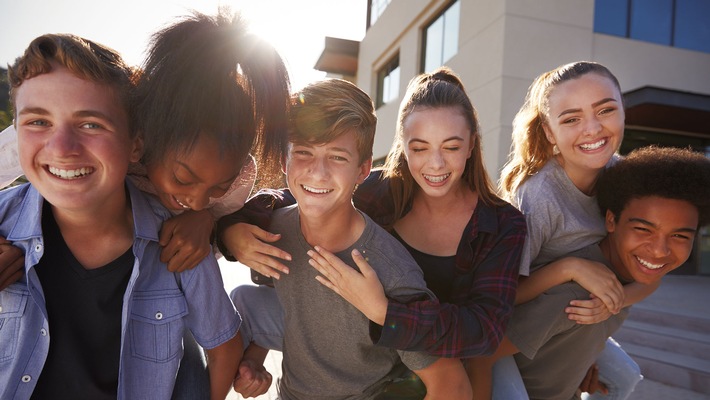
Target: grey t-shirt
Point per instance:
(560, 218)
(328, 353)
(555, 352)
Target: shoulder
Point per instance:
(148, 213)
(541, 189)
(374, 197)
(17, 200)
(386, 252)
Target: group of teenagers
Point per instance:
(417, 280)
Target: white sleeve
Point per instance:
(9, 157)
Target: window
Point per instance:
(388, 82)
(678, 23)
(377, 7)
(441, 38)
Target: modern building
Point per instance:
(659, 50)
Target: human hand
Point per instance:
(601, 282)
(12, 262)
(361, 289)
(591, 383)
(186, 239)
(252, 379)
(588, 312)
(249, 244)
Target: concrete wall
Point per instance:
(503, 46)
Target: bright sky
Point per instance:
(297, 28)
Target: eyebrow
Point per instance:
(311, 146)
(82, 113)
(596, 104)
(651, 224)
(194, 175)
(415, 140)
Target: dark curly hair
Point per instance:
(672, 173)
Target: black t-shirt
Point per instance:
(438, 270)
(84, 312)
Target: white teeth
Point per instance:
(593, 146)
(316, 191)
(181, 204)
(436, 178)
(72, 173)
(649, 265)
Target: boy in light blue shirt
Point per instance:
(96, 315)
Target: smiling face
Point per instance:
(73, 140)
(188, 181)
(322, 177)
(586, 122)
(652, 237)
(437, 144)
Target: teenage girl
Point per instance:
(565, 134)
(435, 196)
(211, 98)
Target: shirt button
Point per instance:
(26, 378)
(158, 315)
(38, 248)
(43, 332)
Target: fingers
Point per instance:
(252, 381)
(250, 245)
(362, 263)
(327, 264)
(265, 269)
(11, 264)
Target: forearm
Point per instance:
(543, 279)
(635, 292)
(223, 363)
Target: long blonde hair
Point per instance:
(531, 149)
(438, 89)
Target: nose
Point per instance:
(198, 200)
(592, 126)
(659, 247)
(437, 160)
(63, 141)
(318, 168)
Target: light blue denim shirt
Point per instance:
(157, 305)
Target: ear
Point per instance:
(548, 134)
(137, 148)
(610, 221)
(365, 168)
(471, 145)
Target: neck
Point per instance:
(454, 200)
(99, 235)
(612, 255)
(582, 179)
(334, 232)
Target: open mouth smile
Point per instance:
(593, 146)
(70, 173)
(648, 264)
(313, 190)
(436, 178)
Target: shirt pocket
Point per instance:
(157, 324)
(13, 302)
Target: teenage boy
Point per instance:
(327, 350)
(96, 314)
(655, 200)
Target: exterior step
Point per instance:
(665, 337)
(671, 368)
(677, 318)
